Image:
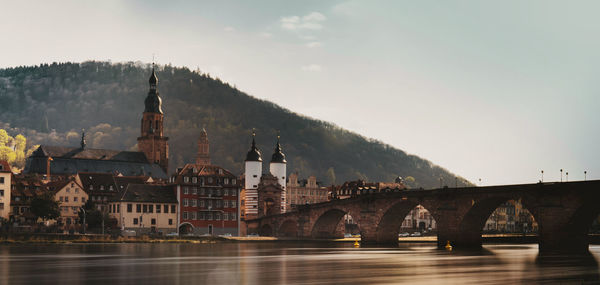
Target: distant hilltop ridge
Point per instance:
(49, 103)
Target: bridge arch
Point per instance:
(289, 228)
(265, 230)
(389, 225)
(328, 224)
(473, 222)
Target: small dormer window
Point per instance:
(91, 187)
(110, 188)
(101, 187)
(186, 179)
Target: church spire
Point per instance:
(203, 156)
(83, 139)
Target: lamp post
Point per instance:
(561, 174)
(83, 219)
(542, 175)
(585, 175)
(567, 176)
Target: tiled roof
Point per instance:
(67, 160)
(4, 167)
(149, 193)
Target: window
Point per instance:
(210, 204)
(153, 221)
(225, 204)
(185, 202)
(226, 181)
(233, 204)
(233, 181)
(234, 192)
(217, 217)
(1, 206)
(185, 215)
(68, 190)
(158, 209)
(170, 221)
(186, 179)
(194, 179)
(67, 198)
(225, 216)
(210, 179)
(145, 208)
(91, 187)
(74, 199)
(150, 208)
(166, 209)
(225, 192)
(186, 190)
(61, 198)
(129, 208)
(172, 209)
(194, 190)
(101, 187)
(193, 202)
(110, 188)
(201, 216)
(138, 208)
(202, 191)
(82, 199)
(209, 216)
(135, 221)
(233, 216)
(192, 215)
(1, 179)
(76, 190)
(118, 208)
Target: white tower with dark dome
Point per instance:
(253, 172)
(277, 168)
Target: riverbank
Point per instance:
(91, 238)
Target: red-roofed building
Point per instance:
(208, 196)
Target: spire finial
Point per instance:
(253, 136)
(83, 139)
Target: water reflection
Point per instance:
(287, 263)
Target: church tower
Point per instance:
(203, 156)
(152, 141)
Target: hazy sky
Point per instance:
(496, 90)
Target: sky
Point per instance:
(495, 91)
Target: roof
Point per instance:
(196, 170)
(94, 181)
(4, 167)
(149, 193)
(123, 181)
(254, 153)
(70, 160)
(278, 156)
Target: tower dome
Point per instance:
(278, 156)
(254, 153)
(153, 102)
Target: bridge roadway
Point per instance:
(564, 212)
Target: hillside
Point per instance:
(50, 104)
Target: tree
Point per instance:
(45, 207)
(93, 217)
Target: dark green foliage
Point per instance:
(108, 99)
(93, 217)
(45, 207)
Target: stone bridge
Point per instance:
(564, 212)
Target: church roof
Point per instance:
(153, 103)
(70, 160)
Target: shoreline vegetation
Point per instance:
(92, 238)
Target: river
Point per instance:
(288, 263)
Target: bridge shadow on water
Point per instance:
(567, 268)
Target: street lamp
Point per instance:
(561, 174)
(567, 176)
(542, 176)
(585, 175)
(83, 219)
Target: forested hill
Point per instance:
(50, 104)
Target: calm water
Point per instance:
(287, 263)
